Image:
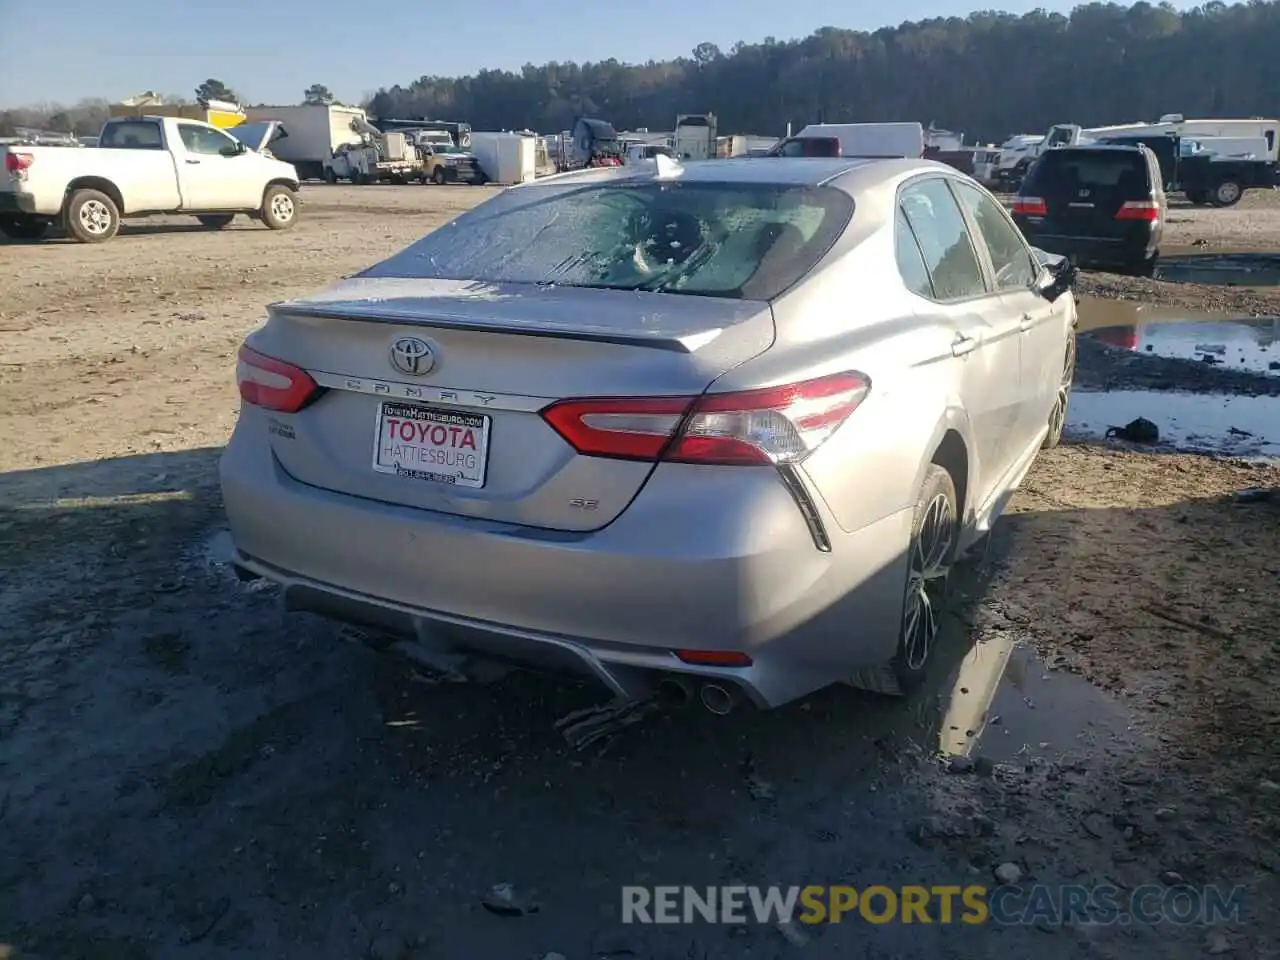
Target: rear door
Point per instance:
(985, 330)
(1042, 324)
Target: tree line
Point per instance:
(989, 74)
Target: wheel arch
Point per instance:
(280, 182)
(101, 184)
(950, 447)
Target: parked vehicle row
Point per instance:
(1210, 161)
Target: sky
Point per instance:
(269, 51)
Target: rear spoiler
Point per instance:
(379, 313)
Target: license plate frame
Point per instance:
(427, 417)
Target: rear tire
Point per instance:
(1227, 193)
(438, 177)
(329, 175)
(279, 207)
(1058, 415)
(930, 554)
(91, 216)
(216, 221)
(20, 227)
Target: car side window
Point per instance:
(1010, 258)
(940, 229)
(910, 260)
(203, 140)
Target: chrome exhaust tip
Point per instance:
(717, 699)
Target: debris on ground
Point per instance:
(582, 728)
(503, 900)
(1138, 430)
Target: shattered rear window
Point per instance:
(742, 241)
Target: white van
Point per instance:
(871, 139)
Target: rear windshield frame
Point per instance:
(838, 211)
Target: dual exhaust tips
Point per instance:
(714, 697)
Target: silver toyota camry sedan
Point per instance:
(720, 428)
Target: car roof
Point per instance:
(850, 174)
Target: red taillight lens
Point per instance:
(17, 163)
(1147, 210)
(714, 658)
(273, 384)
(1030, 206)
(749, 428)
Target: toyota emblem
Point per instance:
(412, 356)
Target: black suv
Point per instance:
(1098, 205)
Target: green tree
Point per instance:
(317, 93)
(214, 90)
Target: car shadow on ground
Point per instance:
(186, 769)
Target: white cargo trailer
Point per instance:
(314, 131)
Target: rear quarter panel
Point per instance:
(853, 314)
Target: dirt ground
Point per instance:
(185, 771)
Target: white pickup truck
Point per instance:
(143, 166)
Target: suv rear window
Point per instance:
(1094, 169)
(742, 241)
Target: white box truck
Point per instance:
(314, 132)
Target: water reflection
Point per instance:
(1243, 344)
(1004, 702)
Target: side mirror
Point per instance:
(233, 150)
(1056, 279)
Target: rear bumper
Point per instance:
(17, 203)
(723, 563)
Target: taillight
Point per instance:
(1147, 210)
(273, 384)
(749, 428)
(1030, 206)
(16, 164)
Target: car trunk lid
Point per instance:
(499, 353)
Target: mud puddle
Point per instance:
(1251, 344)
(1223, 269)
(1006, 703)
(1239, 426)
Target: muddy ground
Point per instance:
(187, 772)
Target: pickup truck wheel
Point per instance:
(92, 216)
(438, 177)
(279, 207)
(216, 221)
(1227, 193)
(24, 228)
(329, 175)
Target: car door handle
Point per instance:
(193, 161)
(962, 345)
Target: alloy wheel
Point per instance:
(927, 580)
